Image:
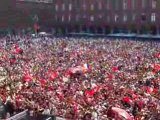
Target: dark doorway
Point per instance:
(99, 30)
(92, 29)
(84, 29)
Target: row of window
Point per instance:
(126, 4)
(38, 1)
(117, 18)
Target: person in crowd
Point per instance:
(81, 78)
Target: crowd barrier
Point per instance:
(118, 35)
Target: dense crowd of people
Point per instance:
(81, 78)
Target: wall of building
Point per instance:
(97, 16)
(21, 14)
(107, 15)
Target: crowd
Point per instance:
(81, 78)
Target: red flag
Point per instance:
(52, 75)
(18, 50)
(115, 69)
(156, 67)
(43, 82)
(27, 78)
(127, 100)
(89, 93)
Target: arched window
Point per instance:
(154, 3)
(92, 18)
(143, 3)
(125, 18)
(124, 4)
(56, 7)
(116, 18)
(100, 5)
(63, 7)
(133, 4)
(92, 7)
(70, 7)
(153, 17)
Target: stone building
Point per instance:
(107, 16)
(93, 16)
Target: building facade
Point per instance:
(39, 11)
(23, 14)
(93, 16)
(107, 16)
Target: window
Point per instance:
(153, 17)
(70, 7)
(62, 18)
(100, 16)
(56, 7)
(133, 4)
(63, 7)
(108, 18)
(143, 17)
(77, 17)
(116, 4)
(84, 16)
(56, 18)
(108, 6)
(84, 6)
(133, 17)
(38, 1)
(143, 3)
(92, 6)
(116, 18)
(69, 18)
(100, 6)
(125, 18)
(124, 4)
(154, 2)
(92, 18)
